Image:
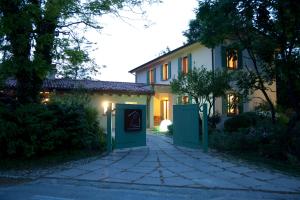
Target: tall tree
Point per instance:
(264, 29)
(36, 33)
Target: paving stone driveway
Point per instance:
(161, 163)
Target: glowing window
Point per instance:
(232, 58)
(165, 72)
(185, 99)
(185, 65)
(232, 104)
(151, 76)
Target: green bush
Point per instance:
(265, 139)
(244, 120)
(170, 129)
(35, 129)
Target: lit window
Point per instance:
(165, 72)
(151, 76)
(185, 65)
(232, 58)
(185, 99)
(232, 104)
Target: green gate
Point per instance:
(130, 126)
(186, 125)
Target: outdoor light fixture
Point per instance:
(163, 127)
(105, 106)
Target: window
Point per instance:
(165, 72)
(151, 76)
(232, 104)
(232, 58)
(185, 65)
(185, 99)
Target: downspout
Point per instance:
(213, 69)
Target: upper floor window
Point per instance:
(233, 102)
(232, 58)
(151, 76)
(185, 65)
(165, 72)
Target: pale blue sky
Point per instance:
(124, 44)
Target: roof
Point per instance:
(162, 56)
(92, 85)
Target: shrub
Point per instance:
(244, 120)
(35, 129)
(170, 128)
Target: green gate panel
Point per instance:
(126, 137)
(186, 125)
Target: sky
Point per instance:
(128, 42)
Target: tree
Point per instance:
(202, 85)
(244, 24)
(35, 34)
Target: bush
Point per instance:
(266, 139)
(35, 129)
(244, 120)
(170, 129)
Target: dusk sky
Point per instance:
(124, 44)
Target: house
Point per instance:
(161, 70)
(101, 92)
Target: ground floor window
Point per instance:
(185, 99)
(233, 102)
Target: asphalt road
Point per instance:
(62, 189)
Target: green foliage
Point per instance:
(36, 34)
(264, 139)
(201, 84)
(34, 130)
(170, 129)
(243, 120)
(263, 29)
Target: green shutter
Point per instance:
(161, 72)
(154, 74)
(190, 64)
(190, 99)
(240, 59)
(223, 57)
(169, 70)
(148, 77)
(224, 105)
(179, 65)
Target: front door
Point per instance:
(164, 109)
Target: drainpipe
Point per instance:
(213, 69)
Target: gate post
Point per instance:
(205, 129)
(108, 127)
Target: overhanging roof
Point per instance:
(162, 57)
(91, 85)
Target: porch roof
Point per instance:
(91, 85)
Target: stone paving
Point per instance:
(163, 164)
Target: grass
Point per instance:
(46, 161)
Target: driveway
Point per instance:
(163, 166)
(162, 163)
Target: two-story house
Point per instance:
(161, 70)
